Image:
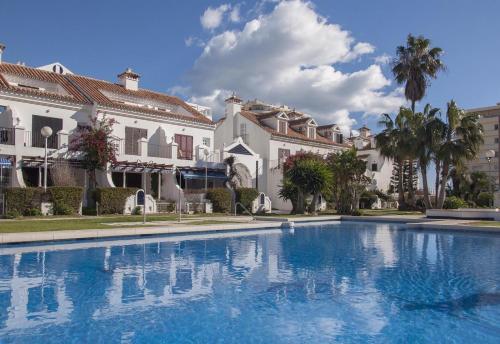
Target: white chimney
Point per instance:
(233, 105)
(129, 80)
(2, 48)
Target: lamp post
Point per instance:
(490, 154)
(46, 133)
(174, 171)
(206, 152)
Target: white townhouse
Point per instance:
(261, 136)
(162, 141)
(378, 168)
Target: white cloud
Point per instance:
(193, 41)
(292, 56)
(382, 59)
(212, 17)
(234, 16)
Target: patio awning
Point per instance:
(5, 162)
(200, 174)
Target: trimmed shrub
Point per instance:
(112, 200)
(484, 199)
(246, 196)
(66, 199)
(20, 200)
(453, 202)
(137, 211)
(221, 200)
(32, 212)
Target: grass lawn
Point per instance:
(58, 224)
(485, 223)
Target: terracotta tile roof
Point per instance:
(86, 90)
(32, 73)
(269, 114)
(301, 120)
(326, 126)
(93, 87)
(292, 134)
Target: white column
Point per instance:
(159, 186)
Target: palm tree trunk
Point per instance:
(411, 192)
(427, 200)
(300, 202)
(401, 193)
(312, 206)
(442, 186)
(437, 182)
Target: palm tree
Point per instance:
(415, 64)
(397, 142)
(462, 137)
(427, 128)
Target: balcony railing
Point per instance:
(32, 139)
(7, 136)
(160, 151)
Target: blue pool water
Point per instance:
(347, 283)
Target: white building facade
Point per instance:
(270, 134)
(162, 142)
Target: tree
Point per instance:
(233, 177)
(415, 65)
(349, 180)
(461, 137)
(96, 145)
(305, 174)
(397, 142)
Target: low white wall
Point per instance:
(465, 213)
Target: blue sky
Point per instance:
(284, 55)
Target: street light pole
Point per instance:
(46, 133)
(490, 154)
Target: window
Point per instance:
(496, 126)
(311, 133)
(206, 141)
(496, 139)
(184, 146)
(243, 132)
(282, 127)
(339, 138)
(374, 167)
(37, 123)
(132, 137)
(283, 154)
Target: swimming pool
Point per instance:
(344, 282)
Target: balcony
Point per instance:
(7, 136)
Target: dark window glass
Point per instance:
(38, 122)
(374, 167)
(184, 146)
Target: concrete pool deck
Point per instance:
(246, 223)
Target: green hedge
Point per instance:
(453, 202)
(112, 200)
(246, 196)
(27, 201)
(221, 200)
(66, 199)
(484, 199)
(21, 201)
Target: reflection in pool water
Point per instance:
(348, 282)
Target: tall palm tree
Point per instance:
(415, 64)
(427, 128)
(462, 137)
(396, 142)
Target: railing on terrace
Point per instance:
(159, 151)
(7, 136)
(32, 139)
